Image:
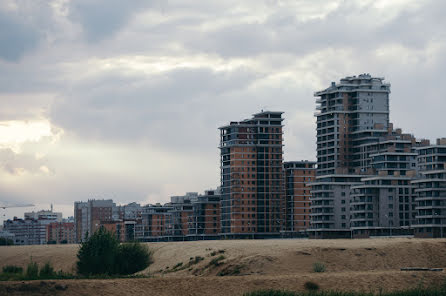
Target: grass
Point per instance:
(217, 261)
(180, 266)
(12, 269)
(318, 267)
(234, 270)
(213, 253)
(47, 272)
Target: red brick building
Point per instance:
(298, 174)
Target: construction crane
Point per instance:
(16, 206)
(11, 205)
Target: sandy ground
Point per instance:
(361, 265)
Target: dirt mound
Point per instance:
(229, 267)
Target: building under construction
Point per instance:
(252, 183)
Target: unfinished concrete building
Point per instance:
(252, 183)
(298, 175)
(204, 223)
(361, 156)
(349, 114)
(384, 204)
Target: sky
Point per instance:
(123, 99)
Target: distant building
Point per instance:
(430, 191)
(44, 215)
(27, 231)
(155, 221)
(364, 166)
(252, 183)
(61, 233)
(129, 211)
(33, 229)
(89, 215)
(179, 215)
(205, 219)
(298, 176)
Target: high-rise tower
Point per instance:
(350, 113)
(252, 183)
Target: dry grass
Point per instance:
(360, 265)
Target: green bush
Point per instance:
(32, 270)
(101, 254)
(318, 267)
(195, 260)
(47, 271)
(311, 286)
(133, 257)
(97, 254)
(217, 261)
(6, 241)
(12, 269)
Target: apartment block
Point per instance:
(430, 190)
(376, 164)
(36, 228)
(204, 223)
(349, 114)
(330, 206)
(27, 231)
(179, 215)
(88, 216)
(155, 221)
(384, 204)
(60, 233)
(252, 180)
(298, 176)
(192, 216)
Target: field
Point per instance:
(233, 267)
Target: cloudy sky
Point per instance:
(122, 99)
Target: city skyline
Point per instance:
(370, 179)
(124, 107)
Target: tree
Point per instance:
(6, 241)
(102, 253)
(97, 255)
(133, 257)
